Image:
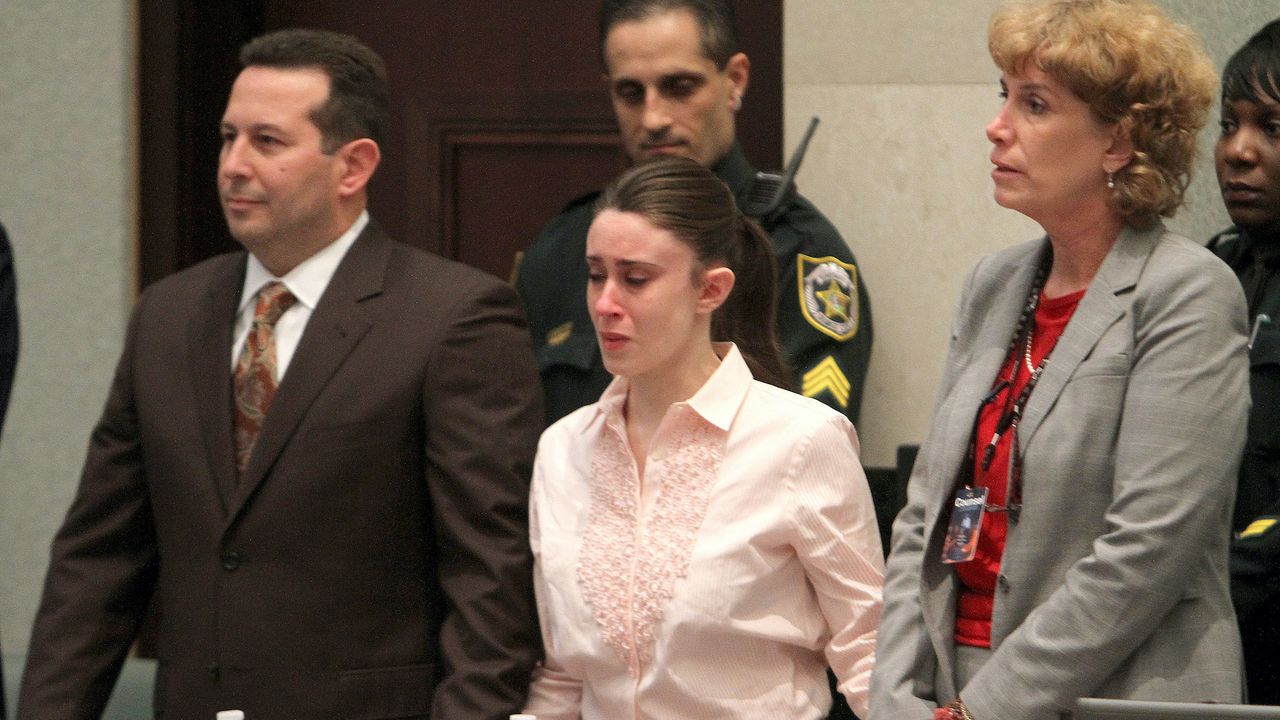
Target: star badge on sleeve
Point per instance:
(829, 295)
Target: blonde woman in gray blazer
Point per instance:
(1108, 526)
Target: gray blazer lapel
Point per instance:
(1099, 309)
(210, 357)
(997, 295)
(335, 328)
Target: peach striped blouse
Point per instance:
(722, 585)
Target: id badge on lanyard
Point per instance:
(961, 543)
(970, 503)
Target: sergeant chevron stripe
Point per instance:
(827, 376)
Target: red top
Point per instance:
(978, 576)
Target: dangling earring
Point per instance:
(1111, 181)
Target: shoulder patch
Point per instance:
(828, 290)
(1258, 527)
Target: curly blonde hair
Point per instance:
(1133, 66)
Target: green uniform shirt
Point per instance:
(824, 316)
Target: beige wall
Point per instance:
(66, 197)
(899, 163)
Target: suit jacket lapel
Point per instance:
(210, 354)
(1098, 310)
(336, 326)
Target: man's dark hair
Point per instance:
(357, 106)
(715, 17)
(1255, 67)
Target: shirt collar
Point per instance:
(719, 398)
(309, 279)
(717, 401)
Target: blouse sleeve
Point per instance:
(553, 693)
(838, 543)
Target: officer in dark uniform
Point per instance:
(1247, 158)
(683, 102)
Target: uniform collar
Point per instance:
(735, 171)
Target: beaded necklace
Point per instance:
(1019, 344)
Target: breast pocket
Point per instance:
(1093, 398)
(1092, 401)
(339, 438)
(1118, 364)
(1080, 429)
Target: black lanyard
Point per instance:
(1012, 413)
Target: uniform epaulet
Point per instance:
(580, 201)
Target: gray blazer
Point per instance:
(1114, 579)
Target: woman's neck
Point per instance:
(1078, 251)
(651, 395)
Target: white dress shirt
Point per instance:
(307, 282)
(750, 562)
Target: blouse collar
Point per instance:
(717, 401)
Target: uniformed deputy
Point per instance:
(676, 80)
(1247, 158)
(1255, 551)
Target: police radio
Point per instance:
(770, 192)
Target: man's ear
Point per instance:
(738, 70)
(1120, 153)
(359, 158)
(717, 283)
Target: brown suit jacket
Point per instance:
(371, 562)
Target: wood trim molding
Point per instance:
(436, 142)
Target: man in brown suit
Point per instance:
(363, 554)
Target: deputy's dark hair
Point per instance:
(689, 201)
(1255, 68)
(357, 106)
(715, 20)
